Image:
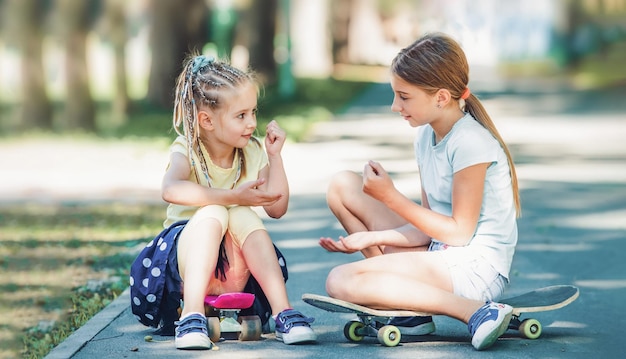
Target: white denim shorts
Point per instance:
(472, 276)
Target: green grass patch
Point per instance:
(602, 69)
(39, 341)
(62, 263)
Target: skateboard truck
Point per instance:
(387, 335)
(223, 318)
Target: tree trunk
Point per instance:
(117, 33)
(256, 32)
(340, 29)
(35, 108)
(80, 112)
(177, 27)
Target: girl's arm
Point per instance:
(455, 230)
(274, 172)
(176, 188)
(391, 240)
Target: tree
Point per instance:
(75, 22)
(340, 30)
(177, 27)
(116, 31)
(26, 29)
(256, 32)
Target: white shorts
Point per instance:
(472, 276)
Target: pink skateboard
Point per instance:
(223, 317)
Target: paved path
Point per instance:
(572, 169)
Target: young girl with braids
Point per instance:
(217, 172)
(452, 254)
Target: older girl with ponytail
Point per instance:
(452, 253)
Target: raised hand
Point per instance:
(274, 138)
(376, 181)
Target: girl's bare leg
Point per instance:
(358, 212)
(236, 270)
(417, 281)
(198, 249)
(260, 256)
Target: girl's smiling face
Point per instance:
(237, 122)
(412, 103)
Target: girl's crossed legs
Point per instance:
(408, 278)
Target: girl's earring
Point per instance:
(438, 106)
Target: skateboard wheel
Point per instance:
(213, 327)
(530, 328)
(350, 331)
(389, 336)
(250, 328)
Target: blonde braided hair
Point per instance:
(201, 85)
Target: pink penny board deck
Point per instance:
(230, 300)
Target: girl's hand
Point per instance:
(274, 138)
(376, 182)
(331, 245)
(349, 244)
(249, 194)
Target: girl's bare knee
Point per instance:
(220, 213)
(342, 180)
(336, 282)
(340, 184)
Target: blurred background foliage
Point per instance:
(108, 66)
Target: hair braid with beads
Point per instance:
(203, 84)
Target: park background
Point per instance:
(82, 82)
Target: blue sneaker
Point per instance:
(192, 333)
(293, 327)
(410, 325)
(488, 324)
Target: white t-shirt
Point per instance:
(469, 143)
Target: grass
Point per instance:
(599, 70)
(61, 263)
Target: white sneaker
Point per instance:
(292, 327)
(192, 333)
(488, 324)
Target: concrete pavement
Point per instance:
(572, 169)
